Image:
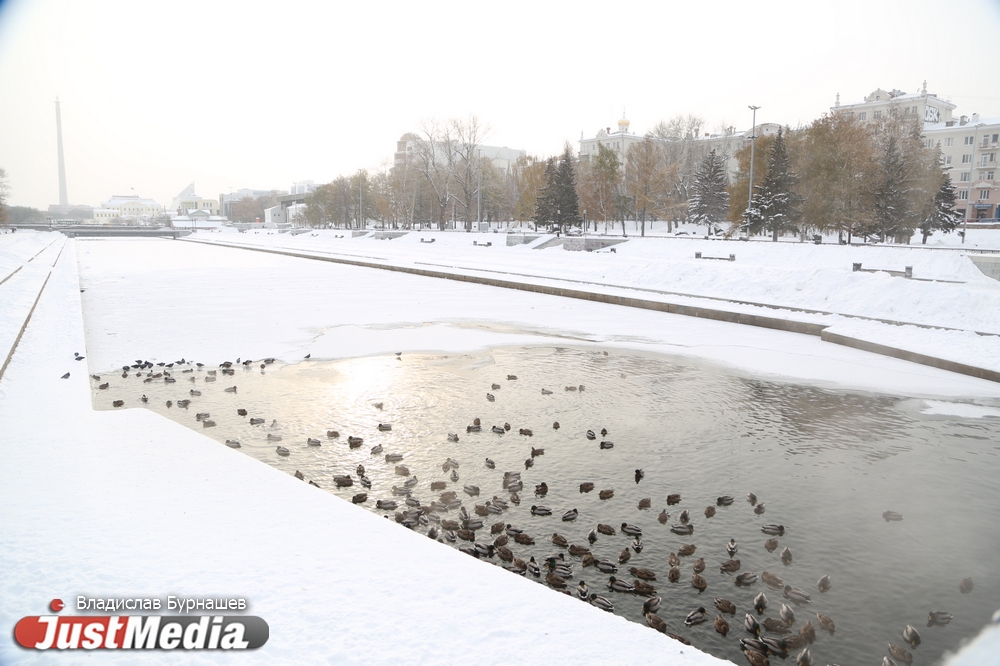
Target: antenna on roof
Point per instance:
(924, 89)
(838, 101)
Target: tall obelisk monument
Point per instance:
(63, 197)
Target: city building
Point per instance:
(503, 158)
(187, 202)
(127, 208)
(969, 144)
(226, 201)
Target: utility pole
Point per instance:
(361, 198)
(479, 190)
(753, 139)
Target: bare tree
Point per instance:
(647, 179)
(4, 190)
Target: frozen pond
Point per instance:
(825, 464)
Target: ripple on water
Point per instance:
(826, 464)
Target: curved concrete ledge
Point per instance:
(775, 323)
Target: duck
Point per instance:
(529, 462)
(360, 498)
(606, 566)
(639, 475)
(559, 540)
(826, 622)
(674, 574)
(911, 636)
(607, 445)
(732, 548)
(604, 432)
(698, 582)
(582, 590)
(755, 652)
(730, 566)
(471, 491)
(452, 436)
(772, 580)
(546, 392)
(271, 437)
(892, 516)
(533, 568)
(721, 626)
(616, 585)
(376, 450)
(527, 432)
(555, 425)
(750, 624)
(771, 545)
(939, 618)
(117, 403)
(490, 397)
(804, 658)
(900, 653)
(637, 545)
(490, 464)
(699, 565)
(233, 443)
(687, 549)
(144, 398)
(542, 489)
(725, 605)
(540, 510)
(663, 517)
(586, 487)
(631, 530)
(682, 529)
(601, 602)
(645, 503)
(643, 588)
(775, 626)
(824, 584)
(673, 498)
(605, 529)
(786, 555)
(282, 451)
(592, 536)
(685, 518)
(498, 430)
(570, 515)
(644, 574)
(537, 452)
(312, 442)
(724, 500)
(774, 530)
(656, 622)
(965, 585)
(775, 646)
(797, 595)
(230, 389)
(606, 494)
(591, 434)
(787, 614)
(746, 578)
(695, 617)
(454, 475)
(651, 605)
(343, 480)
(760, 603)
(709, 511)
(355, 441)
(511, 378)
(402, 470)
(578, 551)
(473, 428)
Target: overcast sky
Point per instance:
(230, 95)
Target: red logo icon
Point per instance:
(56, 605)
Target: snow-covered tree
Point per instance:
(565, 200)
(545, 206)
(775, 205)
(941, 216)
(709, 202)
(891, 204)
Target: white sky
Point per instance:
(230, 95)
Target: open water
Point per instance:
(826, 464)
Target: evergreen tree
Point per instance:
(775, 206)
(942, 215)
(545, 206)
(891, 205)
(709, 203)
(565, 202)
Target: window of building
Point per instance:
(988, 175)
(877, 114)
(862, 115)
(963, 195)
(947, 160)
(984, 195)
(969, 140)
(964, 178)
(949, 141)
(966, 159)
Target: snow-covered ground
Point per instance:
(124, 504)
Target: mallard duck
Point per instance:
(673, 498)
(498, 430)
(687, 549)
(555, 425)
(644, 574)
(724, 500)
(529, 462)
(709, 511)
(454, 475)
(775, 626)
(721, 626)
(546, 392)
(527, 432)
(656, 622)
(900, 653)
(759, 509)
(643, 588)
(663, 517)
(797, 595)
(965, 585)
(490, 397)
(402, 470)
(698, 582)
(271, 437)
(587, 560)
(645, 503)
(637, 544)
(606, 566)
(750, 650)
(725, 605)
(651, 605)
(760, 603)
(775, 646)
(673, 560)
(746, 578)
(892, 515)
(808, 631)
(117, 403)
(624, 556)
(343, 480)
(771, 545)
(938, 617)
(312, 442)
(730, 566)
(826, 622)
(911, 636)
(631, 530)
(682, 529)
(360, 498)
(732, 548)
(772, 529)
(281, 451)
(591, 434)
(787, 614)
(804, 658)
(473, 428)
(750, 624)
(233, 443)
(699, 565)
(607, 445)
(592, 536)
(533, 568)
(674, 574)
(570, 515)
(886, 661)
(605, 529)
(252, 421)
(786, 555)
(376, 450)
(639, 475)
(586, 487)
(824, 584)
(601, 602)
(582, 590)
(540, 510)
(542, 489)
(606, 494)
(230, 389)
(616, 585)
(772, 580)
(695, 617)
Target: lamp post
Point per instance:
(753, 139)
(479, 190)
(972, 163)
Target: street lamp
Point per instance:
(753, 138)
(479, 190)
(972, 163)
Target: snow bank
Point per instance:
(125, 504)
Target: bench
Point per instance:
(732, 257)
(427, 240)
(907, 272)
(486, 244)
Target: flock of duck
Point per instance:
(488, 532)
